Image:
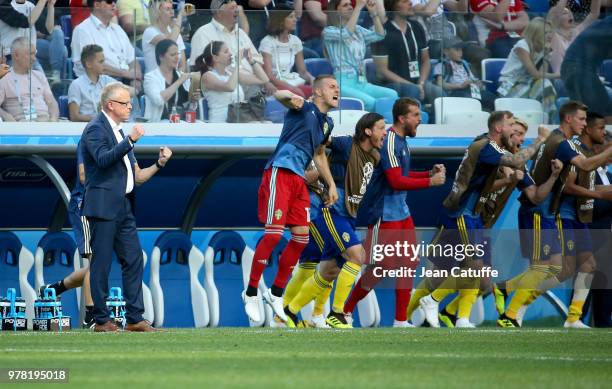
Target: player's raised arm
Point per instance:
(518, 159)
(601, 192)
(320, 160)
(591, 163)
(289, 99)
(537, 194)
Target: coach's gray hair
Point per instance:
(20, 43)
(109, 92)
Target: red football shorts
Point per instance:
(283, 198)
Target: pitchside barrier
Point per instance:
(210, 185)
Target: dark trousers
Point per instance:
(121, 236)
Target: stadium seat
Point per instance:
(517, 104)
(537, 7)
(66, 25)
(175, 265)
(606, 70)
(491, 68)
(55, 257)
(16, 261)
(560, 101)
(476, 120)
(62, 102)
(444, 106)
(370, 70)
(384, 106)
(316, 66)
(69, 69)
(143, 103)
(274, 110)
(350, 103)
(424, 117)
(349, 117)
(533, 119)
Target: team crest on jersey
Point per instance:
(325, 128)
(570, 244)
(546, 249)
(278, 214)
(345, 236)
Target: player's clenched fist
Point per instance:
(437, 179)
(137, 132)
(164, 155)
(543, 132)
(556, 166)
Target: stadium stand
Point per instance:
(491, 69)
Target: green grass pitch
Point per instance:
(241, 357)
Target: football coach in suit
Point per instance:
(111, 173)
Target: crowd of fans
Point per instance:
(228, 52)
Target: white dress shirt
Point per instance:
(126, 160)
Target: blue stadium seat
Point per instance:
(175, 265)
(384, 106)
(203, 105)
(370, 70)
(350, 103)
(63, 107)
(69, 69)
(66, 25)
(560, 101)
(537, 6)
(424, 117)
(491, 68)
(274, 111)
(316, 66)
(57, 256)
(606, 70)
(16, 262)
(142, 100)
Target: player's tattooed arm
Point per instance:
(289, 99)
(320, 160)
(518, 159)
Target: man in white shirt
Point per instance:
(224, 27)
(120, 60)
(25, 94)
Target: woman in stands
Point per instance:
(221, 82)
(282, 51)
(166, 89)
(346, 43)
(565, 29)
(163, 26)
(526, 72)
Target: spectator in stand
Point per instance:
(134, 18)
(499, 24)
(402, 59)
(565, 29)
(455, 76)
(51, 52)
(84, 92)
(282, 50)
(11, 17)
(221, 28)
(79, 11)
(435, 21)
(346, 44)
(119, 57)
(25, 94)
(580, 8)
(166, 88)
(525, 73)
(581, 64)
(221, 82)
(164, 26)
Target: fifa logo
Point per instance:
(368, 170)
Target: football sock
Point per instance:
(59, 287)
(288, 259)
(304, 271)
(422, 290)
(321, 300)
(356, 296)
(272, 236)
(312, 287)
(582, 284)
(402, 298)
(527, 285)
(344, 283)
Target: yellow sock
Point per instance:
(311, 288)
(447, 287)
(344, 284)
(452, 306)
(305, 270)
(422, 290)
(526, 287)
(512, 284)
(575, 310)
(319, 306)
(582, 285)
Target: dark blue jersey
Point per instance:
(303, 131)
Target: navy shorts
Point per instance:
(575, 237)
(80, 228)
(540, 238)
(330, 235)
(459, 232)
